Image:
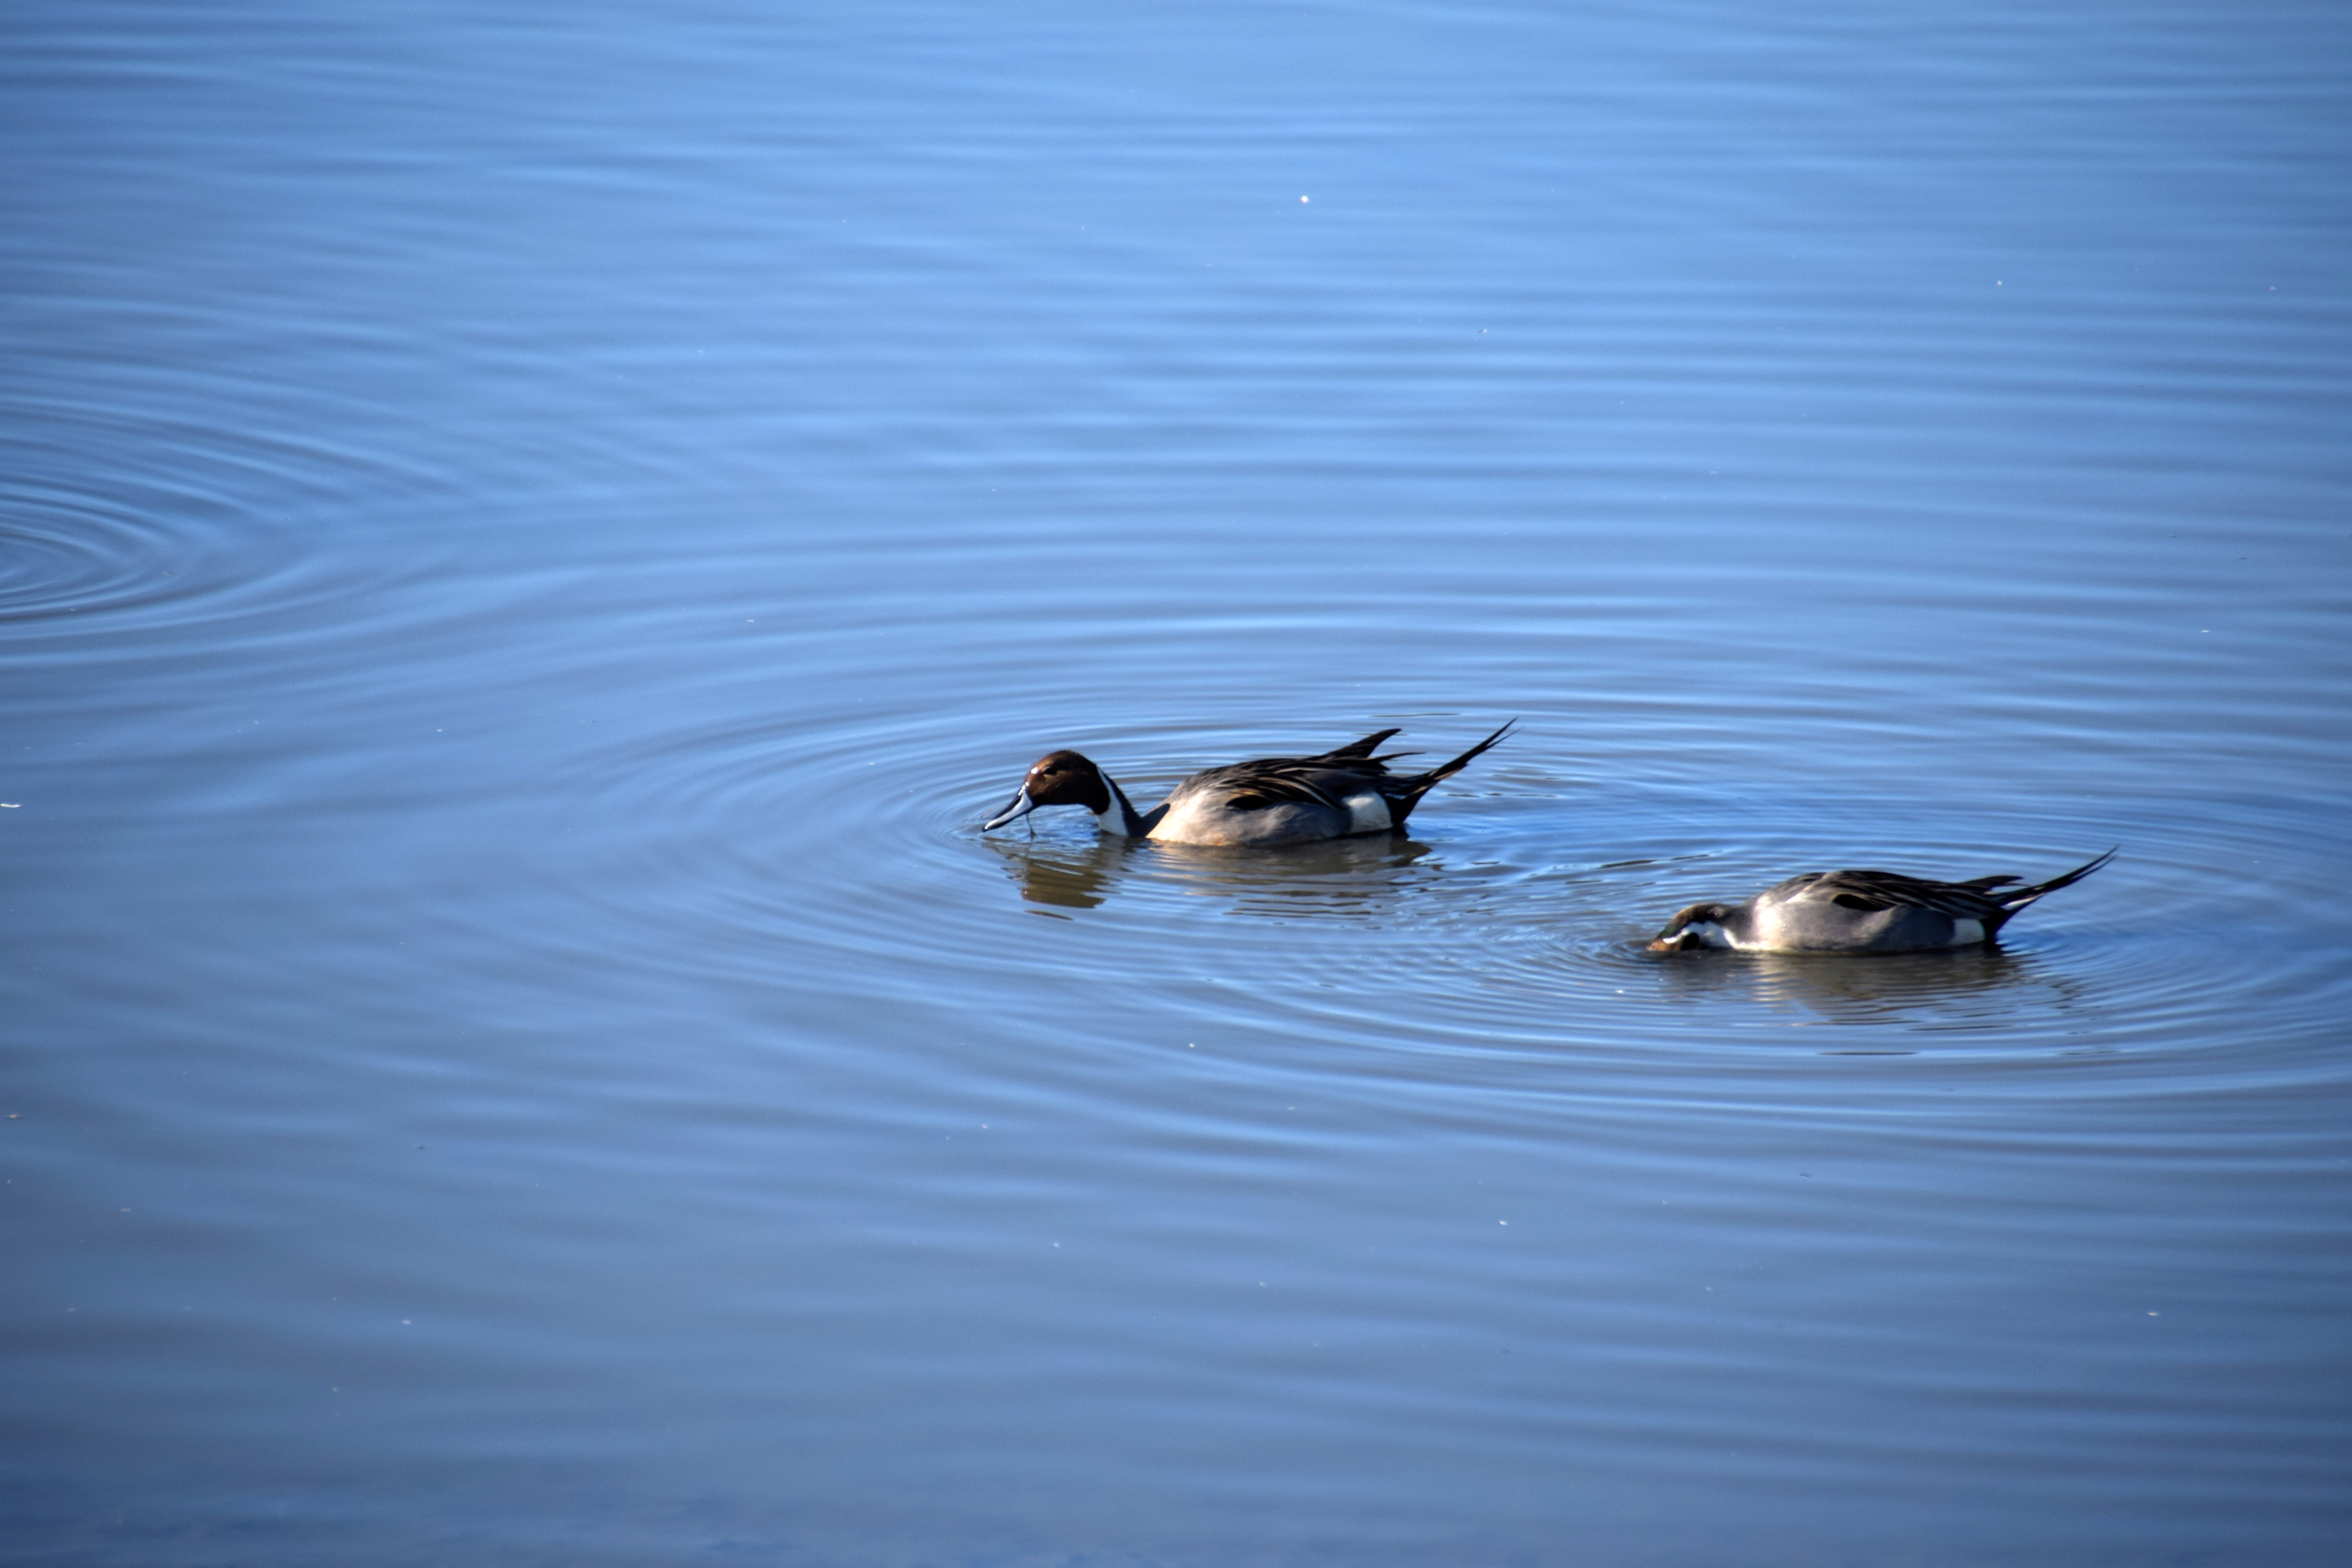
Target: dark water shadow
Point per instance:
(1341, 876)
(1965, 988)
(1063, 874)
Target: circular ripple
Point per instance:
(67, 554)
(1510, 924)
(108, 519)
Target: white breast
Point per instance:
(1190, 821)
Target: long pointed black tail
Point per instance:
(2012, 900)
(1401, 805)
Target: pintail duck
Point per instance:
(1861, 911)
(1276, 800)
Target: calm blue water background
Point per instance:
(531, 536)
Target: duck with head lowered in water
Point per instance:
(1861, 911)
(1337, 793)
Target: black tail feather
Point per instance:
(1401, 805)
(2018, 897)
(1363, 748)
(2013, 899)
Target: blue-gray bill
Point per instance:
(1022, 806)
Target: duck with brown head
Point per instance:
(1068, 778)
(1337, 793)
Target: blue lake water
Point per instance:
(530, 537)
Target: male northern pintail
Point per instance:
(1276, 800)
(1860, 912)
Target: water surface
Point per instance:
(529, 538)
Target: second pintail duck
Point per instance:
(1337, 793)
(1861, 911)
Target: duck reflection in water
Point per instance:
(1337, 875)
(1068, 876)
(1961, 988)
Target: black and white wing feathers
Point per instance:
(1991, 899)
(1331, 778)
